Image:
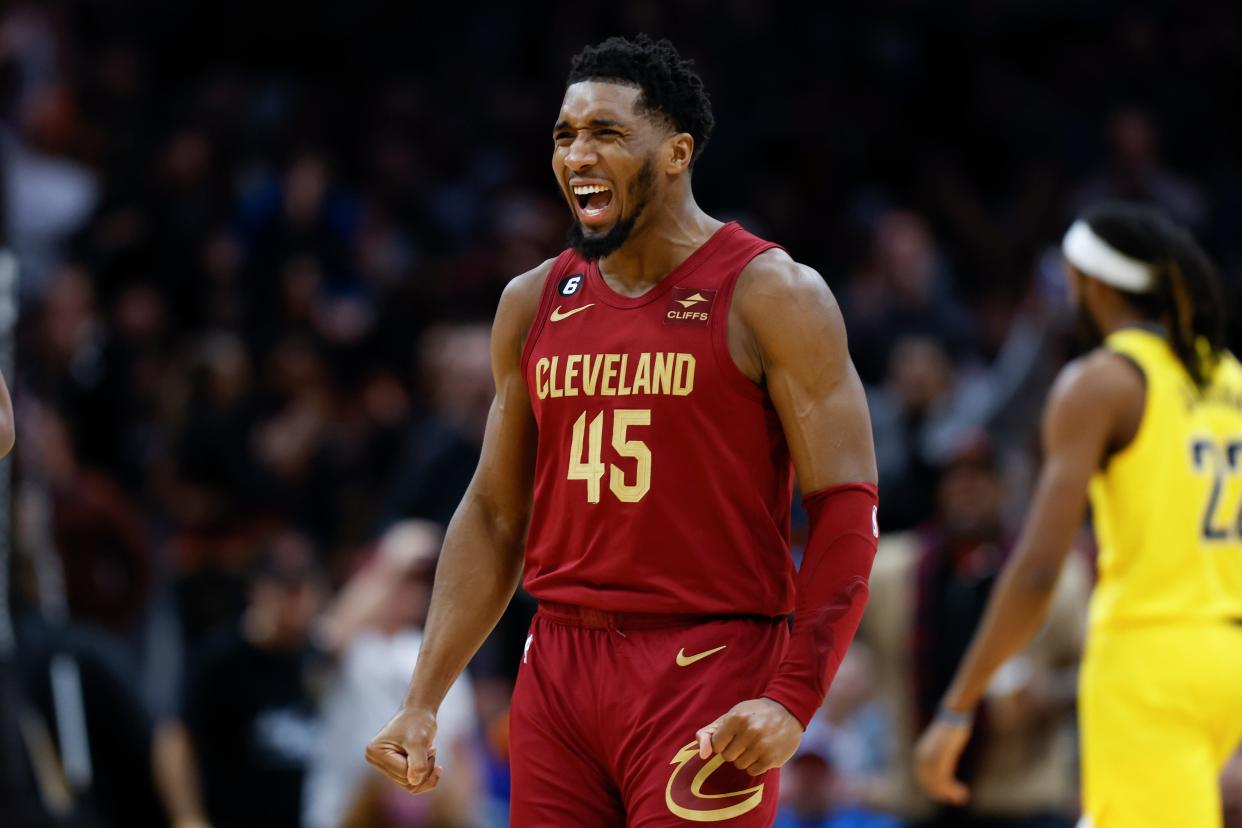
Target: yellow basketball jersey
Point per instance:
(1168, 508)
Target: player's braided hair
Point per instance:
(1188, 293)
(671, 89)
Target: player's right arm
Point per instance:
(481, 560)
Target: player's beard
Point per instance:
(638, 193)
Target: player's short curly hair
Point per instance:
(671, 89)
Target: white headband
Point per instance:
(1100, 260)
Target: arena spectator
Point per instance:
(810, 797)
(1137, 173)
(248, 725)
(374, 628)
(442, 447)
(903, 289)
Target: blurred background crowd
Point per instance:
(260, 245)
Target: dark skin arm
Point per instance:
(1094, 408)
(7, 420)
(786, 333)
(481, 560)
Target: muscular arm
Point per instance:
(1095, 406)
(791, 337)
(481, 560)
(786, 332)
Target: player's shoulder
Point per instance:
(519, 302)
(1096, 384)
(775, 277)
(1099, 371)
(525, 289)
(520, 299)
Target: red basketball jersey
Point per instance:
(662, 480)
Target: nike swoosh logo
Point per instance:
(557, 316)
(684, 660)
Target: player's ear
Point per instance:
(680, 149)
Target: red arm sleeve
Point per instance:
(832, 591)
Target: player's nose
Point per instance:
(581, 155)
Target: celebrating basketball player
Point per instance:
(653, 384)
(1149, 428)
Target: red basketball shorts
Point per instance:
(604, 718)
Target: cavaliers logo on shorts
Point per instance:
(685, 797)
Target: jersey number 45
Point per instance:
(591, 466)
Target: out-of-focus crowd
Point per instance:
(259, 248)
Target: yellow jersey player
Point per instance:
(1149, 428)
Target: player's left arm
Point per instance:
(1092, 409)
(786, 332)
(7, 420)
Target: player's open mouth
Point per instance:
(594, 202)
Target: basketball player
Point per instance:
(653, 383)
(1149, 428)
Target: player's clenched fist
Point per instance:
(756, 736)
(403, 750)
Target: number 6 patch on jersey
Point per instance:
(569, 285)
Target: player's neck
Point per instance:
(1121, 316)
(668, 235)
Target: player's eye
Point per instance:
(609, 133)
